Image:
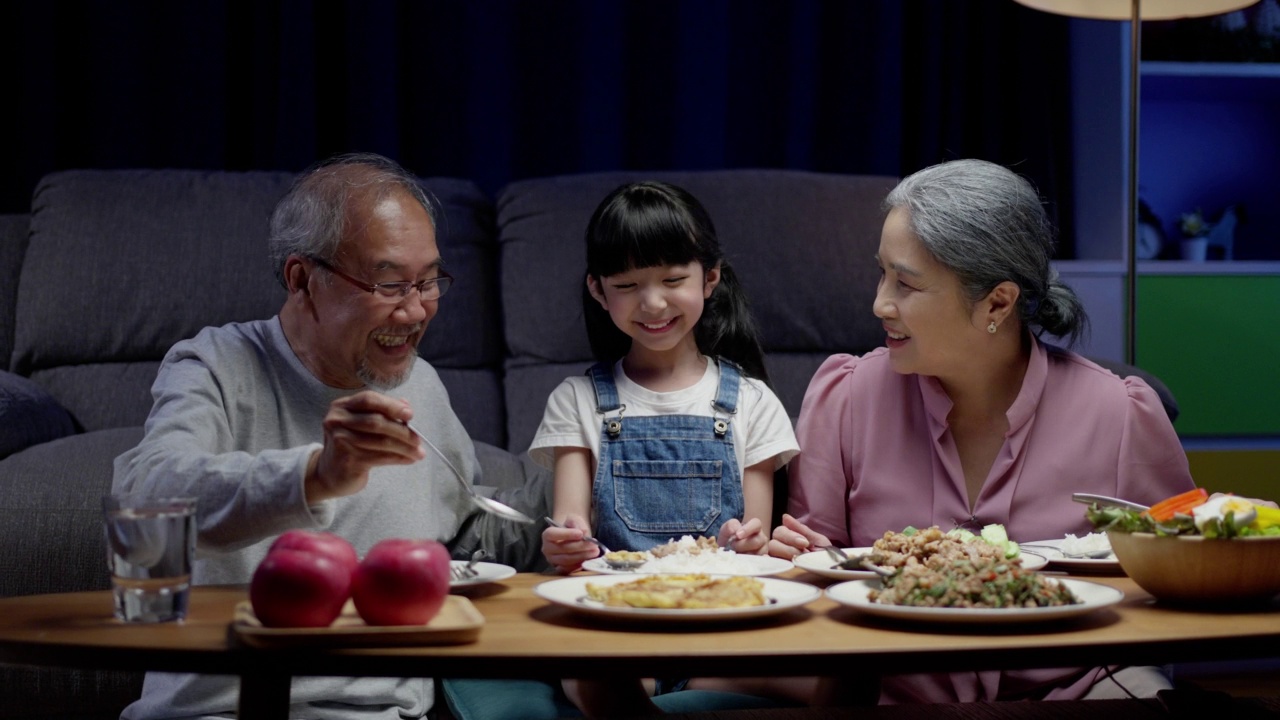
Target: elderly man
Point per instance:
(299, 421)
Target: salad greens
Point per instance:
(993, 534)
(1122, 520)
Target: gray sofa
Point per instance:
(111, 268)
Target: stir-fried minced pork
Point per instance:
(939, 570)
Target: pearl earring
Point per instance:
(992, 327)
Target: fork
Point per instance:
(468, 571)
(843, 559)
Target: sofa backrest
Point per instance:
(801, 243)
(13, 246)
(122, 264)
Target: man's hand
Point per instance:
(361, 432)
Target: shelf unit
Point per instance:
(1209, 137)
(1209, 140)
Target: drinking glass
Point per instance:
(151, 545)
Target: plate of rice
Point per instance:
(1060, 553)
(690, 555)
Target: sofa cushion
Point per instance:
(800, 241)
(152, 256)
(31, 415)
(51, 499)
(51, 529)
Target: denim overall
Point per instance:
(661, 477)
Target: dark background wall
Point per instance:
(499, 90)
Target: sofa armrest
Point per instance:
(29, 415)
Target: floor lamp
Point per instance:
(1135, 11)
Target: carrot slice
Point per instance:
(1180, 503)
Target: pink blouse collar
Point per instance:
(938, 405)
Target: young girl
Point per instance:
(674, 431)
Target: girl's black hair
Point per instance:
(648, 224)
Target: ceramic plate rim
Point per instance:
(828, 571)
(1053, 554)
(566, 592)
(489, 572)
(1095, 596)
(769, 566)
(817, 569)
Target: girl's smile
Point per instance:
(657, 307)
(660, 327)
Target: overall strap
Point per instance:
(606, 391)
(607, 397)
(727, 395)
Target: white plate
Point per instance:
(755, 565)
(1049, 549)
(1092, 595)
(488, 572)
(571, 592)
(820, 563)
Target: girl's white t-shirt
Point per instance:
(761, 427)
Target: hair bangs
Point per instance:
(640, 233)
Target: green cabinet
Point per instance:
(1214, 339)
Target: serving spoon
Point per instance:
(489, 505)
(1091, 499)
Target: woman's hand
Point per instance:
(747, 538)
(565, 548)
(793, 537)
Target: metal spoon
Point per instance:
(489, 505)
(1090, 499)
(1087, 555)
(604, 551)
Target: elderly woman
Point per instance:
(965, 418)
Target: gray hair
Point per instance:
(312, 218)
(987, 225)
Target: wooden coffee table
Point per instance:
(524, 636)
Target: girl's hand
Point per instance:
(564, 547)
(793, 537)
(749, 538)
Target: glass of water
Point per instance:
(151, 545)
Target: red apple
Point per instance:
(324, 543)
(299, 588)
(401, 582)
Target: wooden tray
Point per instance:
(457, 623)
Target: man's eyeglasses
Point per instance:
(429, 289)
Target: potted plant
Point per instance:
(1195, 236)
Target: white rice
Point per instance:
(718, 561)
(1093, 542)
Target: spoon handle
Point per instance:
(588, 538)
(1089, 499)
(441, 455)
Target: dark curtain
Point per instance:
(499, 90)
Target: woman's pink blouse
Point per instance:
(876, 456)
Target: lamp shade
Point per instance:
(1123, 9)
